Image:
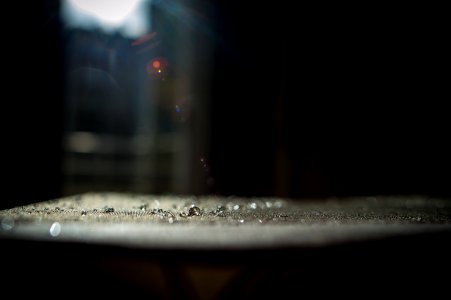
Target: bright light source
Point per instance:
(127, 16)
(108, 11)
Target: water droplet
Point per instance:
(7, 223)
(236, 207)
(108, 210)
(268, 204)
(253, 205)
(194, 211)
(278, 204)
(171, 220)
(241, 221)
(219, 211)
(55, 229)
(260, 221)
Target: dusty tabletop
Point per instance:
(210, 221)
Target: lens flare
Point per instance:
(156, 64)
(157, 67)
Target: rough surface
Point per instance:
(218, 222)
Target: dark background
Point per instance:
(305, 102)
(330, 101)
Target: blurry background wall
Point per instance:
(250, 100)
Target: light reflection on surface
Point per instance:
(7, 223)
(55, 229)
